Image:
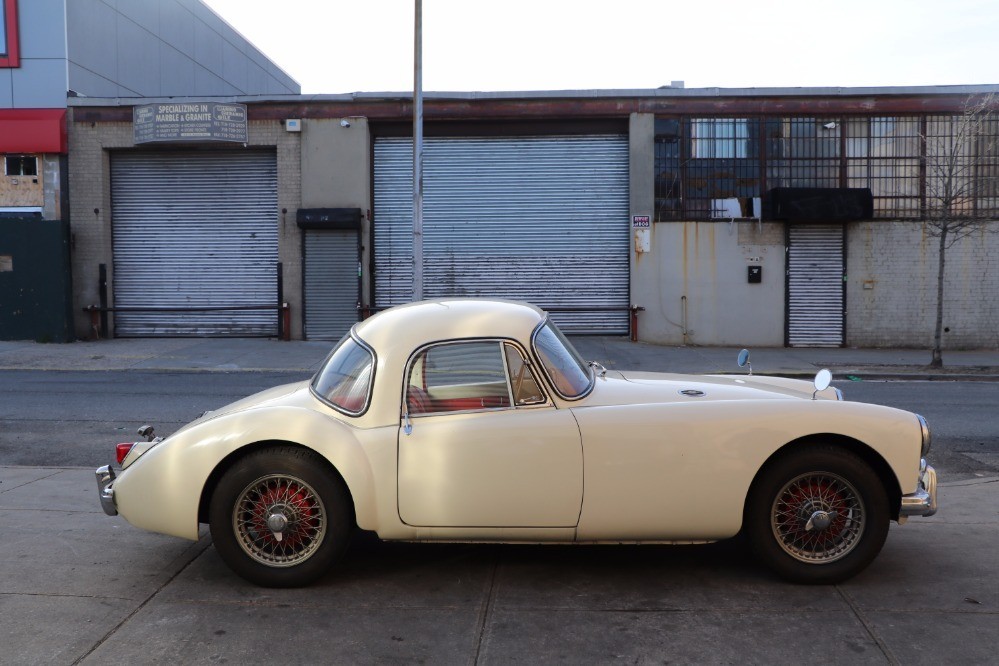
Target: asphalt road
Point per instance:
(963, 418)
(75, 418)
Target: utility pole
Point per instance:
(418, 154)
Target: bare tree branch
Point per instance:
(962, 175)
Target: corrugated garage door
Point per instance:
(541, 219)
(815, 285)
(195, 230)
(331, 289)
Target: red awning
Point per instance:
(33, 131)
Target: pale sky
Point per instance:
(338, 46)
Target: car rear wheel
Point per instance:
(279, 518)
(818, 515)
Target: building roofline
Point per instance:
(651, 94)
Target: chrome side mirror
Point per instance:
(823, 378)
(744, 360)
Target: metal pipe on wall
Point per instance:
(683, 320)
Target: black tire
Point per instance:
(295, 489)
(819, 515)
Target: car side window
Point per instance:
(456, 377)
(525, 387)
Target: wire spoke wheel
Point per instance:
(818, 517)
(281, 516)
(279, 520)
(817, 514)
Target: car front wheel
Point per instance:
(279, 518)
(819, 515)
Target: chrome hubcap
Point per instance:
(277, 522)
(819, 521)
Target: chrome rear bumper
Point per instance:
(923, 502)
(105, 490)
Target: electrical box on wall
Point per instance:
(755, 274)
(293, 125)
(643, 241)
(641, 225)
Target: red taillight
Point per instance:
(122, 450)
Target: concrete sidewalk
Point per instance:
(77, 586)
(262, 354)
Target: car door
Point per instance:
(481, 444)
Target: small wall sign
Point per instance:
(641, 221)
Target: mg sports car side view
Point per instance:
(476, 420)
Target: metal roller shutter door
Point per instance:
(540, 219)
(331, 290)
(815, 285)
(195, 230)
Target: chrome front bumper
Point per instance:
(923, 502)
(105, 477)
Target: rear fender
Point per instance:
(162, 491)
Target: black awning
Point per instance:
(329, 218)
(818, 204)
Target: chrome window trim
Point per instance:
(526, 356)
(371, 380)
(537, 358)
(404, 405)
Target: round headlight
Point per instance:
(926, 435)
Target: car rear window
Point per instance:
(345, 379)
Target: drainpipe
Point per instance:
(635, 309)
(683, 321)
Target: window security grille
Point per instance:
(708, 166)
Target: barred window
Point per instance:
(988, 166)
(915, 166)
(882, 154)
(706, 168)
(667, 170)
(962, 166)
(803, 152)
(719, 138)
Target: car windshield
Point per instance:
(569, 373)
(345, 379)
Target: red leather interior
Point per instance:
(419, 402)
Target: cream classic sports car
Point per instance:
(475, 420)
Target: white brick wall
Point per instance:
(891, 287)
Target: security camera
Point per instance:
(830, 125)
(344, 122)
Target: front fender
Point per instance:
(161, 490)
(684, 469)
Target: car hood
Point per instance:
(650, 387)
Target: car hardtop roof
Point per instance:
(415, 324)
